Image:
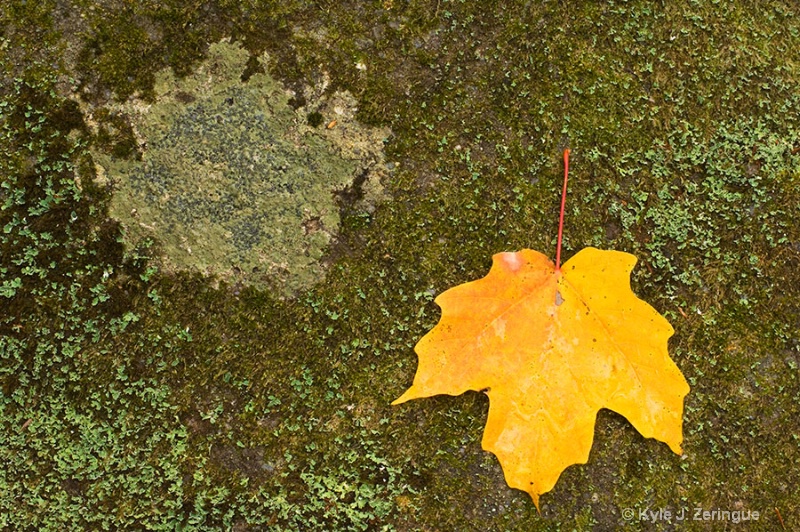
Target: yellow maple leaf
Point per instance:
(550, 347)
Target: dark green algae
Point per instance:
(224, 407)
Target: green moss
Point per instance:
(683, 123)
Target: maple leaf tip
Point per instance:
(676, 448)
(407, 396)
(535, 498)
(398, 401)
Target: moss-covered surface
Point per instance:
(134, 397)
(231, 180)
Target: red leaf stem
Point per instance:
(561, 217)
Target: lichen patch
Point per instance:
(233, 181)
